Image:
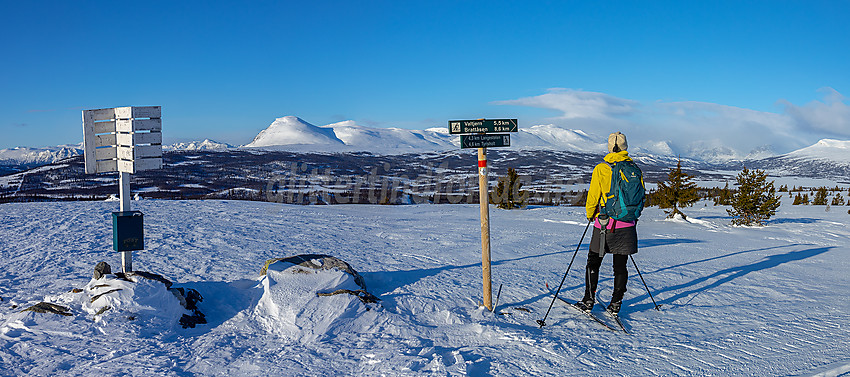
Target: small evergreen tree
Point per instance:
(507, 194)
(756, 199)
(838, 200)
(725, 196)
(820, 197)
(798, 199)
(677, 191)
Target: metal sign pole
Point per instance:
(485, 226)
(124, 195)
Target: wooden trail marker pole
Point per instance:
(483, 192)
(483, 134)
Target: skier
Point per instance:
(609, 235)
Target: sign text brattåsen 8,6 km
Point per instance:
(482, 126)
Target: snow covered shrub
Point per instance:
(838, 200)
(507, 194)
(820, 197)
(677, 191)
(756, 199)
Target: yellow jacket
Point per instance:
(600, 182)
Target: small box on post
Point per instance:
(128, 231)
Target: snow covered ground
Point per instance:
(735, 300)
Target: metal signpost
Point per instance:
(126, 140)
(484, 133)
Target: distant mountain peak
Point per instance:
(205, 145)
(825, 149)
(292, 130)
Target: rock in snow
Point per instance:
(293, 305)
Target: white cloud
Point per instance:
(701, 128)
(577, 104)
(832, 115)
(696, 128)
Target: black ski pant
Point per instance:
(621, 276)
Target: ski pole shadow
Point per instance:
(721, 257)
(388, 281)
(652, 242)
(721, 277)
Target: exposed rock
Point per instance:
(104, 285)
(365, 297)
(46, 307)
(97, 296)
(191, 320)
(102, 269)
(317, 262)
(152, 276)
(189, 299)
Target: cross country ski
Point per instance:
(586, 313)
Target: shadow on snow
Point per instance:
(695, 287)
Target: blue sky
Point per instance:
(743, 73)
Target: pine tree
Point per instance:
(677, 191)
(798, 199)
(756, 199)
(838, 200)
(820, 197)
(725, 197)
(507, 194)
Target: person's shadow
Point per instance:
(695, 287)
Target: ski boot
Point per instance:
(614, 307)
(620, 281)
(585, 305)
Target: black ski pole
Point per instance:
(644, 283)
(542, 322)
(497, 298)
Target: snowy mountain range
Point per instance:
(205, 145)
(290, 133)
(28, 157)
(294, 134)
(38, 156)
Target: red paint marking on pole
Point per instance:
(482, 163)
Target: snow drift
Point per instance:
(305, 297)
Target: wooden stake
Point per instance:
(483, 192)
